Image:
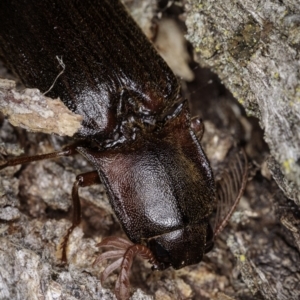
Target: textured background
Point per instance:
(253, 48)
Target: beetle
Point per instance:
(136, 130)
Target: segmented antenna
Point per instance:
(124, 258)
(230, 188)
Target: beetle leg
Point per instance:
(198, 127)
(82, 180)
(124, 259)
(66, 151)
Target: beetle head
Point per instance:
(182, 247)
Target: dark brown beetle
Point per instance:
(136, 130)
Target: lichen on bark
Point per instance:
(254, 47)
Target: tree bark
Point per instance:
(254, 47)
(256, 256)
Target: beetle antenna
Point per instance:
(124, 259)
(230, 189)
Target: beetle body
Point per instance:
(136, 130)
(111, 69)
(162, 190)
(158, 178)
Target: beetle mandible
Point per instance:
(136, 131)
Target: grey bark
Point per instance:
(256, 257)
(33, 111)
(254, 47)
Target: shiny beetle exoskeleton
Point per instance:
(136, 129)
